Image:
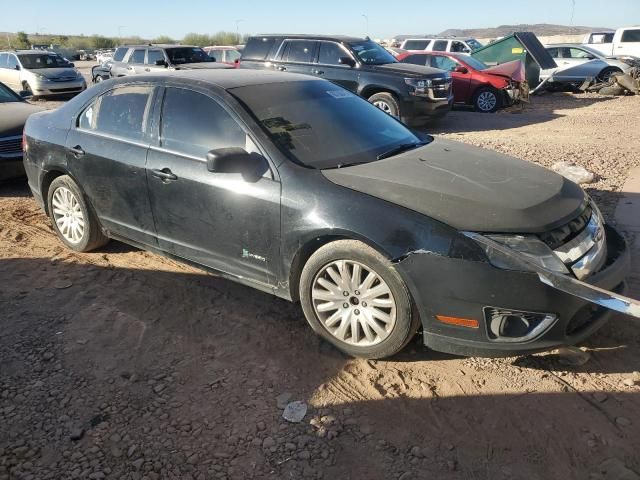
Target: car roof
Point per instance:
(339, 38)
(158, 45)
(29, 52)
(220, 47)
(222, 78)
(462, 39)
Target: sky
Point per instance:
(384, 19)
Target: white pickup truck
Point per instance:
(623, 42)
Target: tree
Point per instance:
(199, 39)
(22, 40)
(98, 41)
(163, 39)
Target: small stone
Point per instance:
(282, 400)
(416, 452)
(76, 434)
(629, 382)
(452, 465)
(573, 356)
(137, 463)
(131, 450)
(116, 452)
(115, 438)
(615, 469)
(347, 411)
(366, 429)
(193, 459)
(600, 397)
(405, 476)
(268, 442)
(294, 412)
(160, 387)
(47, 356)
(623, 421)
(304, 455)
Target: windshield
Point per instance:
(592, 51)
(473, 62)
(370, 53)
(321, 125)
(6, 95)
(474, 44)
(180, 55)
(45, 60)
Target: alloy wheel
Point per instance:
(487, 101)
(68, 215)
(353, 303)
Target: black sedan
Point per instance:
(297, 187)
(14, 111)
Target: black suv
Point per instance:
(412, 93)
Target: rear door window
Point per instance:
(137, 56)
(554, 52)
(631, 36)
(301, 51)
(258, 48)
(193, 123)
(123, 112)
(153, 56)
(416, 44)
(118, 56)
(12, 61)
(440, 46)
(443, 63)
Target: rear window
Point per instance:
(631, 36)
(440, 46)
(258, 48)
(119, 55)
(416, 44)
(416, 59)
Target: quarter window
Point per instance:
(440, 46)
(301, 51)
(330, 53)
(193, 124)
(630, 36)
(119, 54)
(122, 112)
(137, 57)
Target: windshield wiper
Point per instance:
(403, 147)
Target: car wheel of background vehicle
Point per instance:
(27, 88)
(386, 102)
(73, 220)
(486, 100)
(605, 75)
(353, 297)
(98, 79)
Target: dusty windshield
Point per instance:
(321, 125)
(370, 53)
(45, 60)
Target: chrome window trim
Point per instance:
(113, 137)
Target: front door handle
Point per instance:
(147, 70)
(77, 151)
(317, 72)
(281, 68)
(165, 174)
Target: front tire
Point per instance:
(486, 100)
(606, 74)
(386, 102)
(354, 298)
(27, 88)
(73, 220)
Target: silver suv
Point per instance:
(136, 59)
(40, 73)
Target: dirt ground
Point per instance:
(122, 364)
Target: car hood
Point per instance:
(13, 115)
(513, 70)
(468, 188)
(407, 69)
(201, 65)
(55, 73)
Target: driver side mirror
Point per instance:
(24, 94)
(347, 61)
(161, 62)
(251, 166)
(17, 67)
(461, 69)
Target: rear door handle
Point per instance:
(317, 72)
(77, 151)
(165, 174)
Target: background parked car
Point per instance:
(474, 83)
(14, 112)
(100, 73)
(137, 59)
(224, 54)
(624, 41)
(415, 94)
(40, 73)
(569, 55)
(456, 45)
(104, 55)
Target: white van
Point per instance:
(623, 42)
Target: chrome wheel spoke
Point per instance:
(67, 215)
(353, 303)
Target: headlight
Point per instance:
(530, 246)
(418, 86)
(38, 76)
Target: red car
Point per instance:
(474, 83)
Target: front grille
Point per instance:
(441, 87)
(63, 90)
(66, 79)
(10, 145)
(567, 232)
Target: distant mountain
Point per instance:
(541, 29)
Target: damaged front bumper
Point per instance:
(553, 309)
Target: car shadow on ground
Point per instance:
(542, 108)
(118, 333)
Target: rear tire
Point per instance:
(375, 318)
(386, 102)
(486, 100)
(73, 220)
